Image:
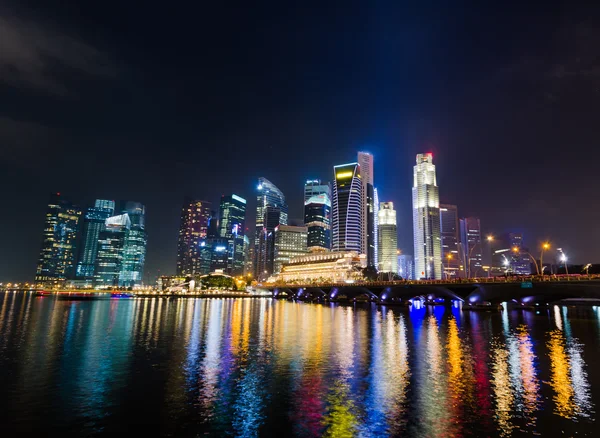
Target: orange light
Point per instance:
(515, 249)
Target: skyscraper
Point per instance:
(470, 232)
(405, 267)
(451, 258)
(347, 209)
(317, 218)
(376, 228)
(93, 224)
(57, 255)
(134, 247)
(314, 187)
(232, 227)
(290, 242)
(365, 161)
(271, 210)
(193, 257)
(111, 245)
(388, 238)
(426, 219)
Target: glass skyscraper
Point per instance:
(111, 246)
(232, 214)
(271, 210)
(365, 161)
(290, 242)
(388, 238)
(426, 219)
(134, 247)
(57, 255)
(314, 187)
(348, 214)
(93, 224)
(470, 232)
(452, 259)
(376, 216)
(317, 219)
(193, 255)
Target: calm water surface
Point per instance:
(248, 367)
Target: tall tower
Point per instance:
(93, 224)
(193, 255)
(271, 210)
(376, 227)
(232, 227)
(388, 238)
(470, 232)
(111, 249)
(314, 187)
(365, 161)
(57, 255)
(134, 248)
(426, 219)
(451, 257)
(317, 218)
(347, 218)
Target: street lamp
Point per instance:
(563, 258)
(449, 257)
(545, 246)
(516, 250)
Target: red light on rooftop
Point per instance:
(430, 154)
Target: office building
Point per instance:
(218, 248)
(317, 218)
(405, 267)
(388, 238)
(509, 256)
(93, 224)
(111, 245)
(314, 187)
(56, 263)
(271, 210)
(248, 256)
(334, 267)
(376, 228)
(193, 257)
(134, 247)
(426, 219)
(347, 215)
(470, 232)
(365, 161)
(290, 242)
(232, 222)
(449, 232)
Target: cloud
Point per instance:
(34, 56)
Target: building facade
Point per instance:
(134, 248)
(93, 224)
(347, 216)
(271, 210)
(365, 161)
(509, 256)
(56, 263)
(192, 255)
(315, 187)
(322, 267)
(376, 216)
(405, 267)
(317, 218)
(470, 232)
(111, 245)
(290, 242)
(388, 238)
(232, 223)
(426, 219)
(449, 232)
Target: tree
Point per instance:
(370, 273)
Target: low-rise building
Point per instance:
(335, 267)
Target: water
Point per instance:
(247, 367)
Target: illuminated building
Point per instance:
(470, 236)
(405, 267)
(365, 161)
(111, 243)
(314, 187)
(335, 267)
(451, 257)
(134, 247)
(347, 209)
(93, 223)
(192, 254)
(290, 242)
(505, 260)
(271, 210)
(57, 255)
(219, 254)
(248, 256)
(426, 219)
(232, 214)
(317, 218)
(376, 228)
(388, 238)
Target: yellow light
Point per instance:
(342, 175)
(490, 238)
(515, 249)
(449, 256)
(546, 245)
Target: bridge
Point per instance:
(524, 291)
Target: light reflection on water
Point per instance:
(261, 367)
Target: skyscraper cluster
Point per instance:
(108, 251)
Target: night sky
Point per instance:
(155, 101)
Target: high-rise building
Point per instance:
(405, 267)
(193, 257)
(111, 245)
(426, 219)
(449, 230)
(93, 224)
(219, 254)
(317, 218)
(248, 256)
(290, 242)
(365, 161)
(57, 255)
(376, 216)
(470, 232)
(388, 238)
(509, 256)
(134, 247)
(347, 209)
(271, 210)
(314, 187)
(232, 227)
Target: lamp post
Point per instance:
(545, 246)
(449, 257)
(516, 250)
(563, 258)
